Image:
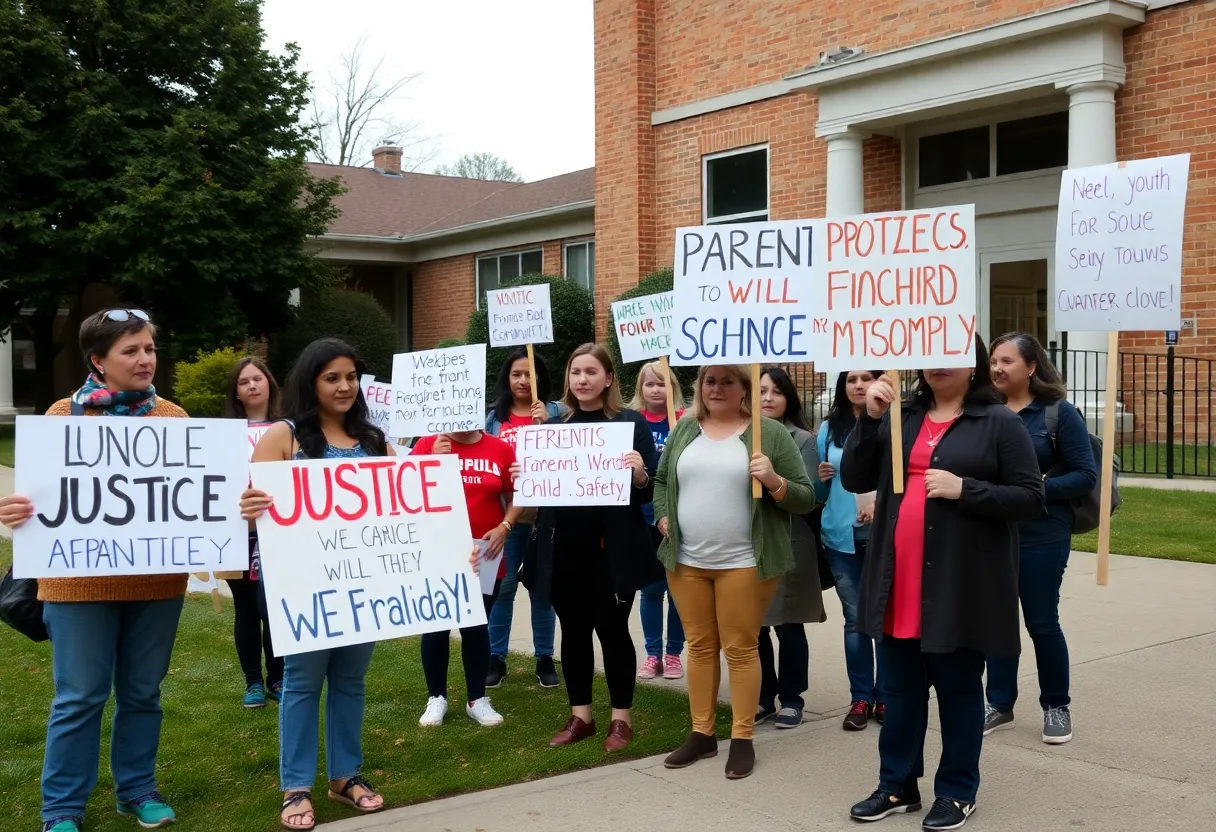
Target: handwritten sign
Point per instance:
(130, 496)
(1119, 246)
(355, 551)
(254, 436)
(439, 391)
(519, 315)
(897, 290)
(573, 465)
(644, 326)
(379, 398)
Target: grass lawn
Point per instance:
(219, 763)
(1160, 524)
(1189, 460)
(6, 445)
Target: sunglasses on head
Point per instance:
(122, 315)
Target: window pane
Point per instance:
(1032, 144)
(487, 276)
(737, 184)
(757, 218)
(590, 284)
(508, 266)
(576, 262)
(533, 262)
(959, 156)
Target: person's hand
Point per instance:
(633, 461)
(943, 484)
(826, 471)
(540, 413)
(515, 469)
(497, 538)
(254, 503)
(443, 444)
(15, 510)
(662, 526)
(866, 516)
(761, 468)
(879, 397)
(475, 560)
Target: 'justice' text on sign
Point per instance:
(520, 315)
(439, 391)
(573, 465)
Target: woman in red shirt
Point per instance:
(485, 465)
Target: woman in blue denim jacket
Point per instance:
(1022, 371)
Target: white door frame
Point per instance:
(1012, 254)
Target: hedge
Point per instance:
(355, 317)
(200, 385)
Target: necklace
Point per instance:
(935, 438)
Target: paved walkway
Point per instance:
(1176, 484)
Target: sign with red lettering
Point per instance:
(379, 398)
(1119, 246)
(573, 465)
(144, 496)
(896, 290)
(644, 326)
(365, 549)
(520, 315)
(254, 435)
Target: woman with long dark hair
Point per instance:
(939, 583)
(799, 597)
(515, 407)
(845, 531)
(1034, 390)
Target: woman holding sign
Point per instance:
(724, 551)
(253, 395)
(112, 633)
(939, 584)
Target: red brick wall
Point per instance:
(883, 160)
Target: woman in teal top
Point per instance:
(845, 532)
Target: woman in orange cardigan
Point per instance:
(112, 632)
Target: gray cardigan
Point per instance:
(799, 598)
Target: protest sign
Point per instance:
(644, 326)
(1119, 246)
(379, 398)
(573, 465)
(130, 496)
(439, 391)
(520, 315)
(488, 570)
(254, 436)
(360, 550)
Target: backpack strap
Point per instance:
(1052, 414)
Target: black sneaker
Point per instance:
(788, 718)
(496, 673)
(883, 803)
(546, 673)
(995, 720)
(764, 713)
(948, 814)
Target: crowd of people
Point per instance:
(929, 575)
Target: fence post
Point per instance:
(1169, 413)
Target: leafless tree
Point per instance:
(481, 166)
(355, 112)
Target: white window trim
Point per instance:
(478, 292)
(566, 245)
(768, 181)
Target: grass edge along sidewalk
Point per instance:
(1158, 523)
(218, 763)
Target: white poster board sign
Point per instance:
(254, 436)
(439, 391)
(1119, 246)
(644, 326)
(573, 465)
(519, 315)
(130, 496)
(361, 550)
(379, 398)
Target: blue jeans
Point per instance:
(858, 647)
(543, 619)
(785, 677)
(97, 646)
(1040, 575)
(907, 675)
(651, 610)
(300, 709)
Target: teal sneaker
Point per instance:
(151, 810)
(255, 696)
(62, 825)
(275, 692)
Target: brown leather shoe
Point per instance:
(696, 747)
(619, 735)
(574, 731)
(741, 759)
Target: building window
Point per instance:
(994, 149)
(493, 269)
(957, 156)
(1036, 143)
(580, 264)
(736, 186)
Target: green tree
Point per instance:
(481, 166)
(651, 284)
(156, 147)
(355, 317)
(200, 385)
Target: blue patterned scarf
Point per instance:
(96, 395)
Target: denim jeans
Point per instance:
(858, 647)
(97, 646)
(651, 610)
(784, 678)
(544, 622)
(907, 675)
(1040, 575)
(300, 710)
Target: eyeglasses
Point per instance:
(123, 315)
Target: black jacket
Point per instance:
(969, 592)
(628, 542)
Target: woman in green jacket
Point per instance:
(724, 551)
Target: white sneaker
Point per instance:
(483, 712)
(436, 710)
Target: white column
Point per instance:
(846, 174)
(6, 375)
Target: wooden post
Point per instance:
(669, 382)
(216, 601)
(897, 433)
(532, 373)
(1106, 472)
(757, 489)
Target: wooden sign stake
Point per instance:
(1106, 472)
(897, 433)
(669, 382)
(216, 601)
(532, 373)
(757, 489)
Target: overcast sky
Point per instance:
(513, 77)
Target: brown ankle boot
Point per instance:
(741, 759)
(696, 747)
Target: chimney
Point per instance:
(387, 159)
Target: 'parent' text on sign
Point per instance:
(361, 550)
(644, 326)
(573, 465)
(439, 391)
(130, 496)
(520, 315)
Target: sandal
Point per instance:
(356, 803)
(294, 799)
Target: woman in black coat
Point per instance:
(939, 587)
